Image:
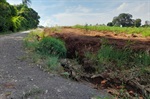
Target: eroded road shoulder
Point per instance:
(21, 79)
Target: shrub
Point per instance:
(52, 47)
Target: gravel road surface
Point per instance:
(21, 79)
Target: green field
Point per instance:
(144, 31)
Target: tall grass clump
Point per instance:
(52, 47)
(30, 41)
(46, 49)
(53, 64)
(123, 57)
(108, 56)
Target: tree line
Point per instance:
(125, 20)
(17, 17)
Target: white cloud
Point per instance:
(78, 8)
(77, 18)
(122, 7)
(48, 22)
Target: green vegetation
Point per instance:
(48, 48)
(32, 92)
(119, 64)
(97, 97)
(144, 31)
(31, 42)
(52, 46)
(122, 58)
(17, 17)
(52, 64)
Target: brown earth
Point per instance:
(80, 41)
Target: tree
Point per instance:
(17, 17)
(137, 22)
(3, 1)
(124, 20)
(30, 15)
(5, 16)
(26, 2)
(109, 24)
(147, 23)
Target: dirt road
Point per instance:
(22, 79)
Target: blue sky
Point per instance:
(72, 12)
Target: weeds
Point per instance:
(108, 55)
(65, 75)
(47, 48)
(32, 92)
(31, 42)
(52, 63)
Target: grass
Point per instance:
(48, 49)
(53, 64)
(51, 47)
(31, 42)
(144, 31)
(126, 58)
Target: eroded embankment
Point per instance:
(131, 80)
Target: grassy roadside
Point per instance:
(47, 50)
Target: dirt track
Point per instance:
(20, 78)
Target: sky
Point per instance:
(72, 12)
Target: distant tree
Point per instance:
(124, 20)
(147, 23)
(109, 24)
(26, 2)
(97, 24)
(137, 22)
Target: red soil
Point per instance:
(81, 41)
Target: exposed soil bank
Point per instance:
(78, 42)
